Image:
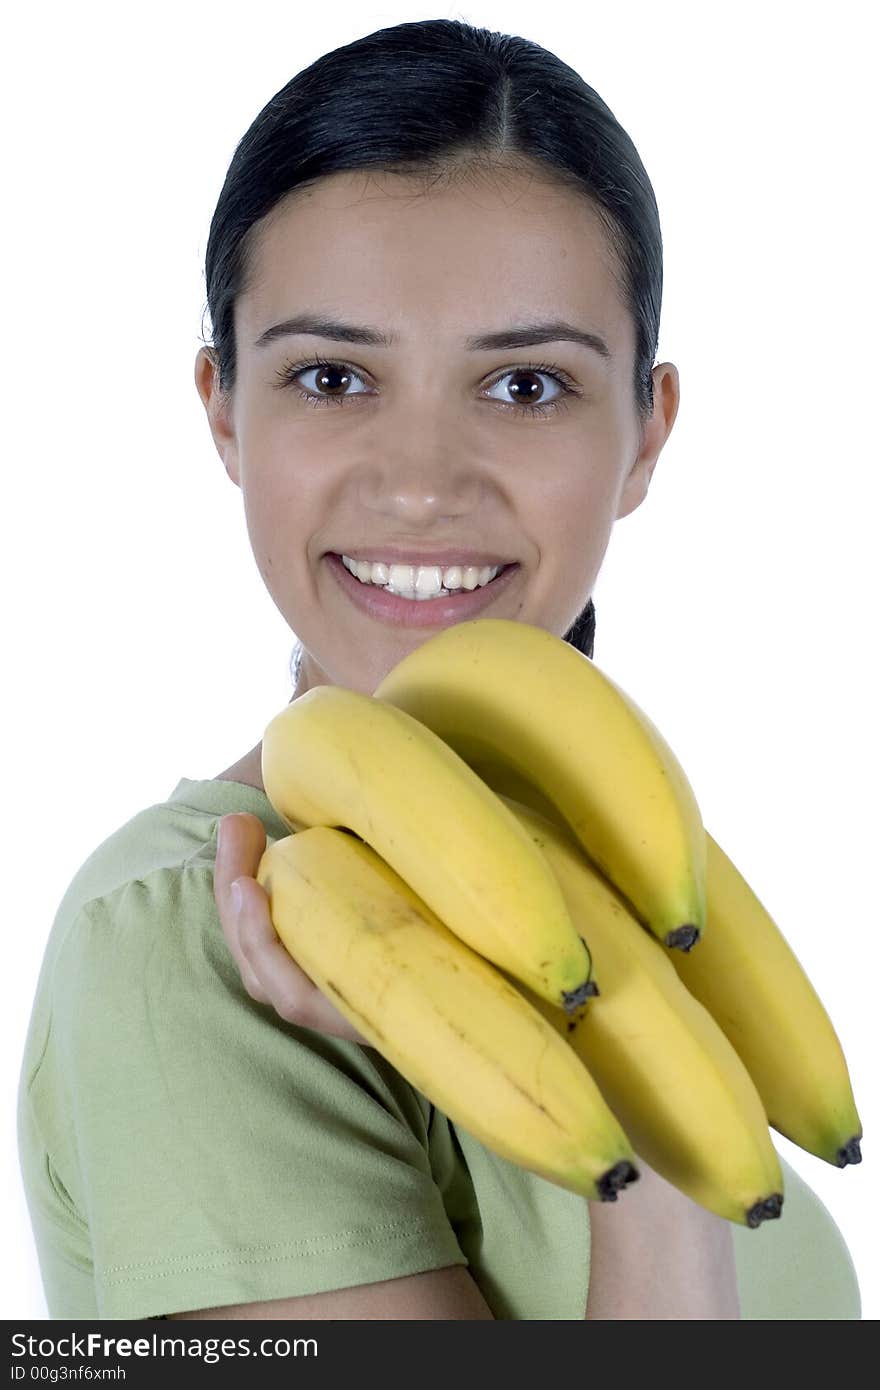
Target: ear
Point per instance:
(218, 407)
(655, 433)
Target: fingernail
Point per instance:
(235, 894)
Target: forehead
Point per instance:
(451, 251)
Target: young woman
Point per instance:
(434, 277)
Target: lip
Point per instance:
(408, 612)
(394, 555)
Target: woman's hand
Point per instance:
(268, 971)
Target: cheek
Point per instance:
(574, 509)
(281, 497)
(277, 531)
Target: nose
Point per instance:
(417, 481)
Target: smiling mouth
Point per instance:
(420, 611)
(422, 583)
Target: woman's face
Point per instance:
(432, 448)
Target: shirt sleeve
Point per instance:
(224, 1155)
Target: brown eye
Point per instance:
(529, 393)
(334, 376)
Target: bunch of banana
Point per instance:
(442, 1015)
(542, 724)
(516, 820)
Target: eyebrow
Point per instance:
(523, 335)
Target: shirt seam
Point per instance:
(194, 1264)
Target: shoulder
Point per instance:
(149, 884)
(145, 985)
(142, 932)
(138, 983)
(160, 851)
(157, 862)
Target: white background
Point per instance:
(737, 605)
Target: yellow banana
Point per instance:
(749, 979)
(666, 1069)
(752, 983)
(505, 692)
(451, 1024)
(338, 757)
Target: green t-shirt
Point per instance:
(183, 1147)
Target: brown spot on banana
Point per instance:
(514, 1083)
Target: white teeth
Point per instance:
(421, 581)
(401, 578)
(427, 580)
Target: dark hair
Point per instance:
(442, 99)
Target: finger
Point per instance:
(235, 926)
(292, 993)
(268, 971)
(241, 843)
(251, 983)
